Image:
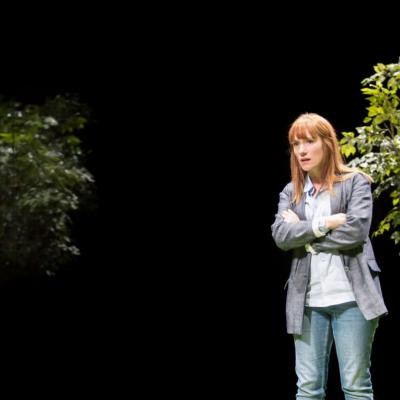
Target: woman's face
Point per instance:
(309, 153)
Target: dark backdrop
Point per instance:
(245, 90)
(67, 332)
(179, 277)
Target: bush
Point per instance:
(378, 141)
(42, 181)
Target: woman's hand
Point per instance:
(290, 216)
(335, 220)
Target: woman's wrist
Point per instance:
(323, 226)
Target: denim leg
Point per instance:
(313, 348)
(353, 340)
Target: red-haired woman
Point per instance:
(324, 216)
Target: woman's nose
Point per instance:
(302, 149)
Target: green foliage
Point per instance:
(377, 143)
(42, 181)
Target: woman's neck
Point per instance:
(316, 179)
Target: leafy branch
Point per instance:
(42, 181)
(376, 145)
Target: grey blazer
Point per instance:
(353, 197)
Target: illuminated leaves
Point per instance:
(377, 144)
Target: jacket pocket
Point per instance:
(373, 265)
(287, 282)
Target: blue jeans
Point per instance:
(353, 336)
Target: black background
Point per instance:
(71, 333)
(250, 83)
(180, 286)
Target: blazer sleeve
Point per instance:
(289, 235)
(355, 231)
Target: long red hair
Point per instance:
(333, 167)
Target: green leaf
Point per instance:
(376, 146)
(348, 150)
(43, 182)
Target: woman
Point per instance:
(334, 294)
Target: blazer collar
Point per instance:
(335, 198)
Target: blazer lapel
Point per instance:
(336, 198)
(300, 209)
(337, 204)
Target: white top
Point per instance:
(328, 284)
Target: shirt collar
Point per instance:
(308, 186)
